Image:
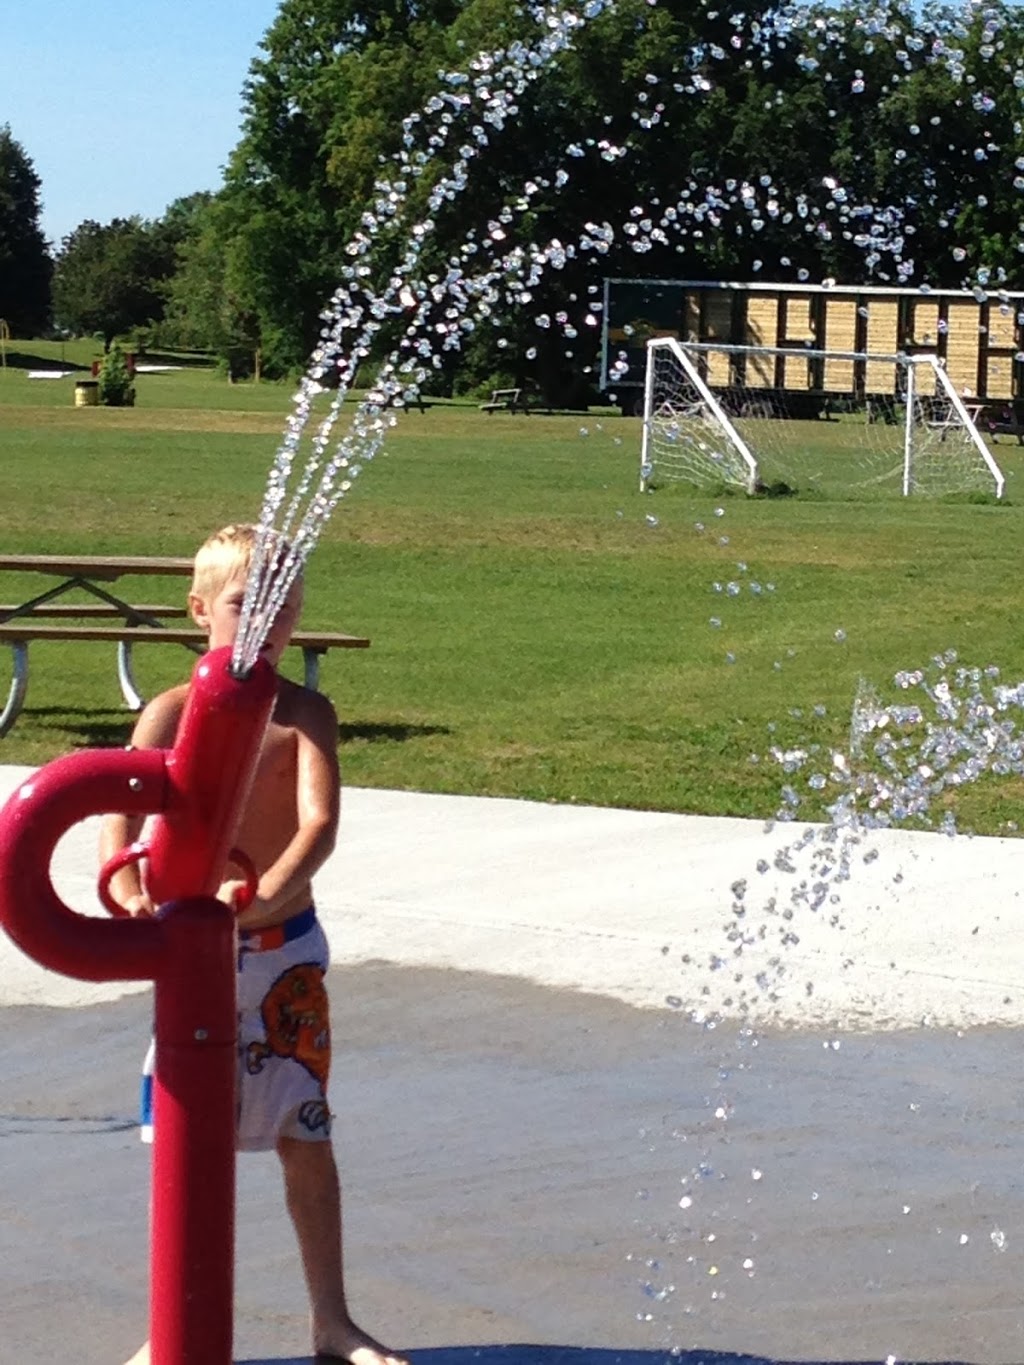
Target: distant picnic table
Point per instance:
(1008, 421)
(105, 616)
(506, 400)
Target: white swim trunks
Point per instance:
(284, 1037)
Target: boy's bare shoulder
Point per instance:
(158, 722)
(305, 710)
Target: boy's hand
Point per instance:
(139, 905)
(231, 892)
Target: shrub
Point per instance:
(117, 389)
(143, 339)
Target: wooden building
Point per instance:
(978, 336)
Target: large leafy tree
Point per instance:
(325, 111)
(593, 177)
(204, 306)
(25, 265)
(109, 277)
(320, 107)
(868, 142)
(956, 153)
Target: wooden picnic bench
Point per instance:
(506, 400)
(997, 429)
(944, 418)
(1006, 421)
(43, 618)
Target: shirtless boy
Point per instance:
(288, 830)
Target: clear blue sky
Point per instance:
(123, 107)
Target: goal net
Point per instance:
(764, 418)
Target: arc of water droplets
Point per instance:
(466, 295)
(953, 725)
(273, 574)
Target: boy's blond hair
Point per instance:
(227, 555)
(223, 556)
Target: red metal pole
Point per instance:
(193, 1221)
(210, 770)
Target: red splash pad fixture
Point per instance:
(198, 789)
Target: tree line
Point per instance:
(870, 142)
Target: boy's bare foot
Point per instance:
(351, 1345)
(348, 1343)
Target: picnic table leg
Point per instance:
(134, 699)
(311, 661)
(19, 686)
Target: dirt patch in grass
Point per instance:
(143, 419)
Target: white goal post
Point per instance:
(762, 417)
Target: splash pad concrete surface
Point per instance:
(520, 1112)
(633, 905)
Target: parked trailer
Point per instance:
(978, 337)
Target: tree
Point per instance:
(878, 140)
(204, 307)
(25, 265)
(108, 277)
(320, 108)
(326, 112)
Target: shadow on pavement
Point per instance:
(522, 1354)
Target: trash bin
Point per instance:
(87, 393)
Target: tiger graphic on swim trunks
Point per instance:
(284, 1043)
(297, 1023)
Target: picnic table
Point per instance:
(506, 400)
(944, 417)
(1007, 421)
(107, 616)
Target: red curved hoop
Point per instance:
(252, 879)
(131, 853)
(134, 853)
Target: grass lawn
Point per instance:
(540, 629)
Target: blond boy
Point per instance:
(288, 829)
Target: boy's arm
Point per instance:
(318, 804)
(155, 729)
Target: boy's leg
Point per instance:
(313, 1193)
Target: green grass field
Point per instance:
(540, 629)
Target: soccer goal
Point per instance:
(759, 418)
